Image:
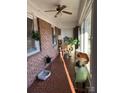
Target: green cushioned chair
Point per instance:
(81, 74)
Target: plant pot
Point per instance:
(37, 43)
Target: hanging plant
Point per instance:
(36, 35)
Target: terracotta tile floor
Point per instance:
(70, 67)
(56, 83)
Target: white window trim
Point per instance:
(37, 45)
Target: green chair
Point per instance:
(81, 74)
(81, 78)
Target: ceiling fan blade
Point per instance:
(56, 14)
(70, 13)
(59, 9)
(63, 6)
(50, 11)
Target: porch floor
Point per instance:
(56, 83)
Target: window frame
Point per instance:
(37, 43)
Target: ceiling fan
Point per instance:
(59, 9)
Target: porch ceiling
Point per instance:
(72, 6)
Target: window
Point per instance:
(85, 36)
(54, 37)
(33, 46)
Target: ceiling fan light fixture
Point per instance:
(59, 10)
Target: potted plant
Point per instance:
(72, 41)
(47, 60)
(71, 45)
(36, 35)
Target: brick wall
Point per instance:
(36, 62)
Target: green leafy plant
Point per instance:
(36, 35)
(72, 41)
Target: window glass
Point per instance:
(30, 42)
(85, 36)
